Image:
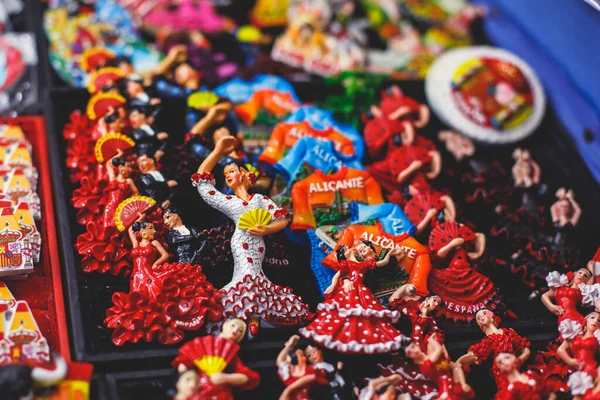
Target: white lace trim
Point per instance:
(580, 382)
(590, 294)
(353, 346)
(569, 329)
(359, 311)
(284, 370)
(366, 394)
(555, 279)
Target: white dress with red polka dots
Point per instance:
(250, 293)
(355, 322)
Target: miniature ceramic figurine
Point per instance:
(165, 299)
(296, 373)
(219, 370)
(255, 216)
(152, 183)
(580, 346)
(18, 381)
(435, 365)
(464, 289)
(183, 241)
(420, 311)
(338, 387)
(382, 388)
(566, 293)
(521, 385)
(426, 207)
(497, 340)
(351, 320)
(147, 140)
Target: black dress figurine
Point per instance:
(152, 183)
(184, 241)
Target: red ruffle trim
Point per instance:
(281, 213)
(188, 301)
(205, 176)
(255, 295)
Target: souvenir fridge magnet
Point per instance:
(486, 93)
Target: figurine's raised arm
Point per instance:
(224, 146)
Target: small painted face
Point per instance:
(234, 176)
(505, 362)
(581, 276)
(125, 170)
(234, 329)
(126, 68)
(301, 357)
(183, 73)
(187, 383)
(433, 302)
(365, 251)
(564, 206)
(484, 317)
(134, 88)
(314, 355)
(136, 119)
(146, 164)
(116, 126)
(148, 232)
(413, 350)
(591, 322)
(171, 220)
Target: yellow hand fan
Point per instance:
(210, 354)
(211, 365)
(254, 218)
(202, 100)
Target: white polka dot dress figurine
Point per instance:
(351, 320)
(250, 295)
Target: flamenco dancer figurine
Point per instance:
(249, 295)
(212, 366)
(351, 320)
(383, 388)
(580, 347)
(152, 183)
(338, 387)
(185, 241)
(521, 385)
(147, 140)
(437, 367)
(497, 340)
(164, 299)
(296, 373)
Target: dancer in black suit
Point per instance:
(184, 241)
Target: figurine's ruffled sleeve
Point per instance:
(555, 280)
(205, 183)
(519, 342)
(276, 211)
(590, 294)
(482, 350)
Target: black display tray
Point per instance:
(89, 294)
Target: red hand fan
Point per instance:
(417, 207)
(104, 77)
(129, 210)
(92, 58)
(210, 354)
(443, 234)
(100, 103)
(107, 146)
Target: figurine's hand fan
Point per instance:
(202, 100)
(210, 354)
(109, 145)
(254, 218)
(129, 210)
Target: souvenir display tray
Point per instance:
(89, 294)
(43, 289)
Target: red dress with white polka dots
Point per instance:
(354, 322)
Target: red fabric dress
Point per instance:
(464, 290)
(163, 301)
(441, 373)
(354, 322)
(287, 379)
(586, 350)
(421, 327)
(534, 389)
(490, 346)
(569, 299)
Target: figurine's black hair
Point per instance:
(293, 356)
(442, 302)
(142, 109)
(110, 118)
(340, 253)
(15, 381)
(171, 210)
(440, 216)
(406, 192)
(145, 152)
(138, 226)
(369, 244)
(121, 59)
(117, 162)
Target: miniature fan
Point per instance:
(101, 102)
(254, 218)
(210, 354)
(202, 100)
(94, 57)
(103, 77)
(445, 232)
(107, 146)
(128, 211)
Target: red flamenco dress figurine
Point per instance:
(435, 366)
(103, 247)
(425, 206)
(522, 385)
(464, 290)
(351, 320)
(296, 374)
(497, 340)
(165, 299)
(579, 349)
(210, 368)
